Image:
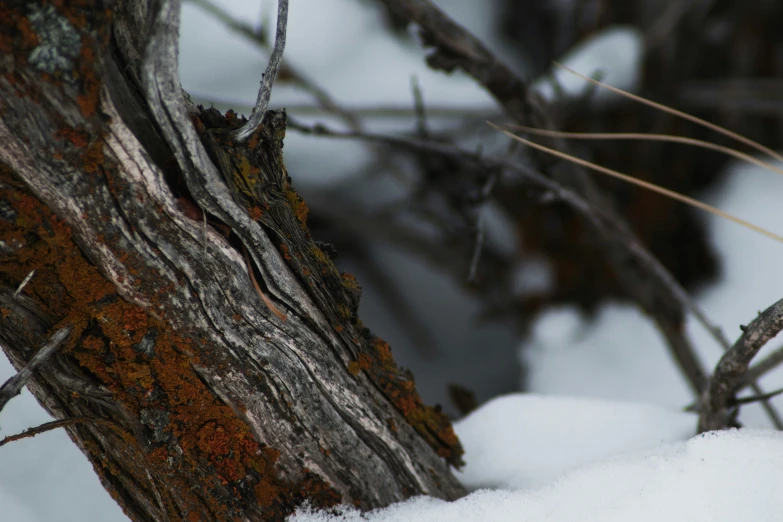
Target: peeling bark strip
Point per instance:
(211, 406)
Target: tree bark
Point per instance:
(210, 390)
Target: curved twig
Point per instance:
(733, 366)
(265, 91)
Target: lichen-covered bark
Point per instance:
(206, 403)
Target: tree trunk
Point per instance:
(206, 390)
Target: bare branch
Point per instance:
(14, 385)
(324, 101)
(454, 47)
(265, 91)
(49, 426)
(479, 243)
(645, 280)
(733, 366)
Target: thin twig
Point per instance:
(644, 184)
(756, 398)
(265, 91)
(324, 100)
(24, 283)
(355, 112)
(13, 386)
(704, 123)
(649, 137)
(733, 366)
(49, 426)
(474, 259)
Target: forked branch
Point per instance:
(714, 410)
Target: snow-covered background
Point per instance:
(554, 458)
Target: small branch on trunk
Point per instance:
(265, 91)
(14, 385)
(324, 101)
(50, 426)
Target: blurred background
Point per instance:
(407, 224)
(535, 307)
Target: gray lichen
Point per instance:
(59, 41)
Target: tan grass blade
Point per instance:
(648, 137)
(649, 186)
(717, 128)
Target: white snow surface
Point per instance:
(716, 477)
(523, 440)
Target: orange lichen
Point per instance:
(78, 137)
(349, 281)
(365, 362)
(92, 158)
(106, 340)
(398, 386)
(255, 212)
(297, 205)
(383, 351)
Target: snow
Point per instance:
(717, 477)
(615, 53)
(524, 440)
(576, 449)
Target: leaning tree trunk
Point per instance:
(216, 368)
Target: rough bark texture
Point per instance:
(219, 407)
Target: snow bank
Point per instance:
(525, 440)
(717, 477)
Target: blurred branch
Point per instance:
(646, 280)
(454, 47)
(747, 95)
(598, 217)
(766, 365)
